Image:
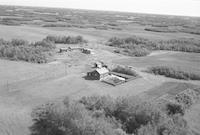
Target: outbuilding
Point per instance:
(86, 51)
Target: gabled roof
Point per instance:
(102, 70)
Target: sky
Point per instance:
(169, 7)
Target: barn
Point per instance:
(98, 73)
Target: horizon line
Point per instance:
(176, 15)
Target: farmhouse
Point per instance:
(98, 74)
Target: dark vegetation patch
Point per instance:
(38, 52)
(160, 29)
(112, 24)
(188, 97)
(10, 23)
(49, 19)
(102, 115)
(173, 72)
(66, 39)
(137, 46)
(132, 46)
(194, 30)
(14, 21)
(175, 108)
(183, 45)
(159, 25)
(125, 70)
(99, 27)
(64, 25)
(56, 25)
(137, 51)
(126, 42)
(167, 29)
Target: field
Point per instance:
(23, 85)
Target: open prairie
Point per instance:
(25, 85)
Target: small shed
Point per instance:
(98, 74)
(65, 49)
(86, 51)
(98, 65)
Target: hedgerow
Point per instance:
(125, 70)
(173, 72)
(137, 46)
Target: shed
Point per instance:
(98, 74)
(86, 51)
(98, 65)
(65, 49)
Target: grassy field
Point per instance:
(185, 61)
(24, 85)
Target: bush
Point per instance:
(173, 73)
(133, 46)
(18, 49)
(143, 46)
(125, 70)
(104, 103)
(116, 51)
(68, 119)
(137, 51)
(134, 114)
(174, 108)
(134, 40)
(18, 42)
(45, 45)
(187, 98)
(128, 112)
(66, 39)
(175, 125)
(148, 129)
(184, 45)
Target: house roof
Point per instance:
(102, 70)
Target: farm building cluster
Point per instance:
(102, 73)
